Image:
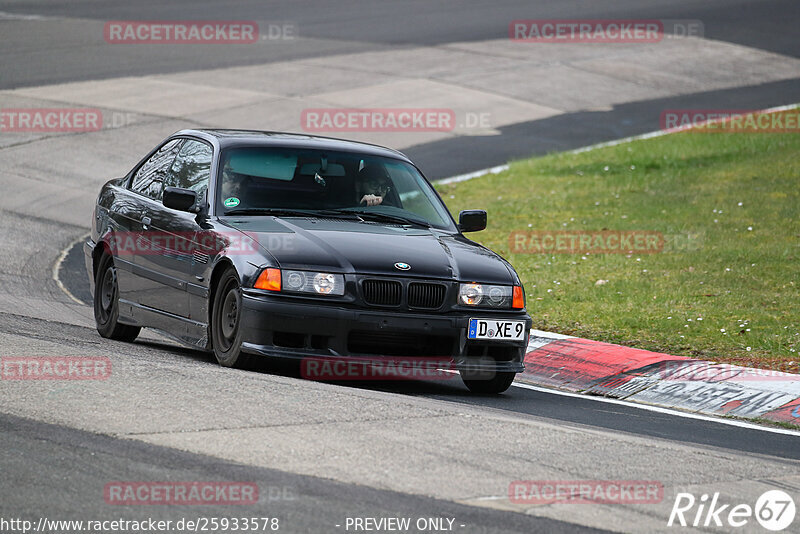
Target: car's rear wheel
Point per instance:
(106, 303)
(500, 382)
(226, 318)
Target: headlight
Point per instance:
(470, 294)
(325, 283)
(490, 296)
(301, 282)
(313, 282)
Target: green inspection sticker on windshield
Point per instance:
(231, 202)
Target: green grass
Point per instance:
(727, 205)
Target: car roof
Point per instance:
(232, 138)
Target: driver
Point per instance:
(231, 184)
(372, 185)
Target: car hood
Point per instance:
(373, 248)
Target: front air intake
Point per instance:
(382, 292)
(425, 295)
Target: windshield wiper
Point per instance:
(376, 216)
(285, 212)
(350, 214)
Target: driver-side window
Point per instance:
(192, 168)
(149, 179)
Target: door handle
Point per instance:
(146, 222)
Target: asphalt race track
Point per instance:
(320, 452)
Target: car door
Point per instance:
(191, 170)
(151, 287)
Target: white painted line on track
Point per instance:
(470, 175)
(4, 15)
(656, 409)
(57, 268)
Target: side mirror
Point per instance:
(180, 199)
(472, 220)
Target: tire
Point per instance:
(226, 319)
(106, 303)
(499, 383)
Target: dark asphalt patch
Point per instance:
(70, 485)
(569, 131)
(72, 273)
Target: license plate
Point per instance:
(496, 329)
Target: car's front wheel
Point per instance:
(106, 303)
(500, 382)
(226, 318)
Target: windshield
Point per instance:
(285, 180)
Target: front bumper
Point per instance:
(300, 329)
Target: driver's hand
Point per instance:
(371, 200)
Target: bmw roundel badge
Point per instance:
(402, 266)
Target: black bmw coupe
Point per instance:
(253, 244)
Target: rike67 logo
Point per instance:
(774, 510)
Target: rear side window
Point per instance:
(192, 168)
(149, 179)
